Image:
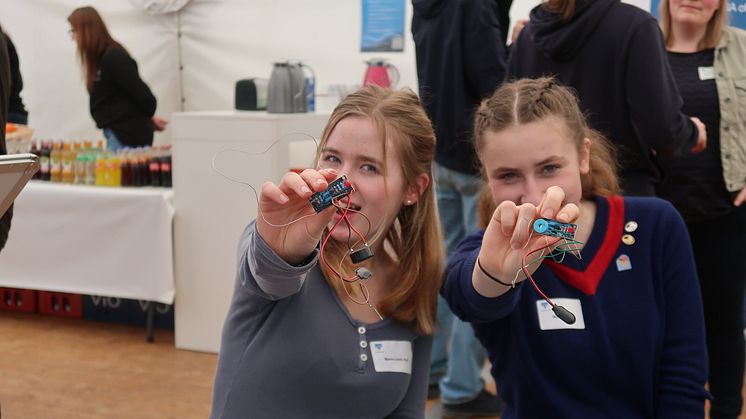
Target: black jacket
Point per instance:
(460, 60)
(4, 93)
(16, 81)
(613, 55)
(121, 101)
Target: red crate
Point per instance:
(61, 304)
(17, 300)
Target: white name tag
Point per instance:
(392, 356)
(706, 73)
(547, 319)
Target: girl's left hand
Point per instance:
(159, 124)
(740, 198)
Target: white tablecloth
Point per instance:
(114, 242)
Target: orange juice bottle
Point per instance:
(68, 157)
(55, 163)
(100, 170)
(114, 169)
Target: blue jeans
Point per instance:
(459, 373)
(112, 142)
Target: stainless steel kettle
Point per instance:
(287, 91)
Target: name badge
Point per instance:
(706, 73)
(392, 356)
(548, 321)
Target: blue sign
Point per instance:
(383, 25)
(736, 8)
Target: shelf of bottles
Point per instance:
(86, 163)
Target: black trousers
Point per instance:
(720, 252)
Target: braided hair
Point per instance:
(529, 100)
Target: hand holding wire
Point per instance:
(288, 200)
(508, 239)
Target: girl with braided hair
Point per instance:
(609, 323)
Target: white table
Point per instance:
(213, 211)
(114, 242)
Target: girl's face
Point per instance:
(354, 148)
(692, 12)
(522, 161)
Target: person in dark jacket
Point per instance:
(4, 93)
(121, 103)
(614, 57)
(17, 112)
(460, 51)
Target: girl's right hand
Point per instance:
(288, 201)
(508, 238)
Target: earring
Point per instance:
(409, 202)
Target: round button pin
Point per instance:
(630, 227)
(628, 239)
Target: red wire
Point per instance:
(326, 239)
(528, 275)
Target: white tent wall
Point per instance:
(54, 91)
(221, 41)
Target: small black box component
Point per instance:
(321, 200)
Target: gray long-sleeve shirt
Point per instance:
(290, 349)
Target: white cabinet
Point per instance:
(212, 211)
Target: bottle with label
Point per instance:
(55, 162)
(155, 168)
(79, 168)
(166, 166)
(90, 168)
(44, 161)
(68, 157)
(100, 169)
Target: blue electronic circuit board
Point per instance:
(555, 228)
(336, 189)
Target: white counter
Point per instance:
(213, 211)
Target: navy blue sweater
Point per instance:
(642, 352)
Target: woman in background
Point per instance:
(121, 103)
(708, 60)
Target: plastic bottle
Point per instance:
(100, 169)
(79, 168)
(155, 168)
(114, 171)
(68, 157)
(44, 161)
(55, 163)
(166, 166)
(126, 168)
(90, 168)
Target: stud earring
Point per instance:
(409, 202)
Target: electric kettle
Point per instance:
(381, 73)
(287, 91)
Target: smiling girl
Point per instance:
(636, 346)
(307, 338)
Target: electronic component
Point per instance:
(336, 189)
(361, 255)
(554, 228)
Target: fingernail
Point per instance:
(563, 217)
(305, 189)
(547, 213)
(284, 198)
(320, 181)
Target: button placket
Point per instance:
(363, 346)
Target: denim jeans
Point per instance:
(458, 372)
(112, 142)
